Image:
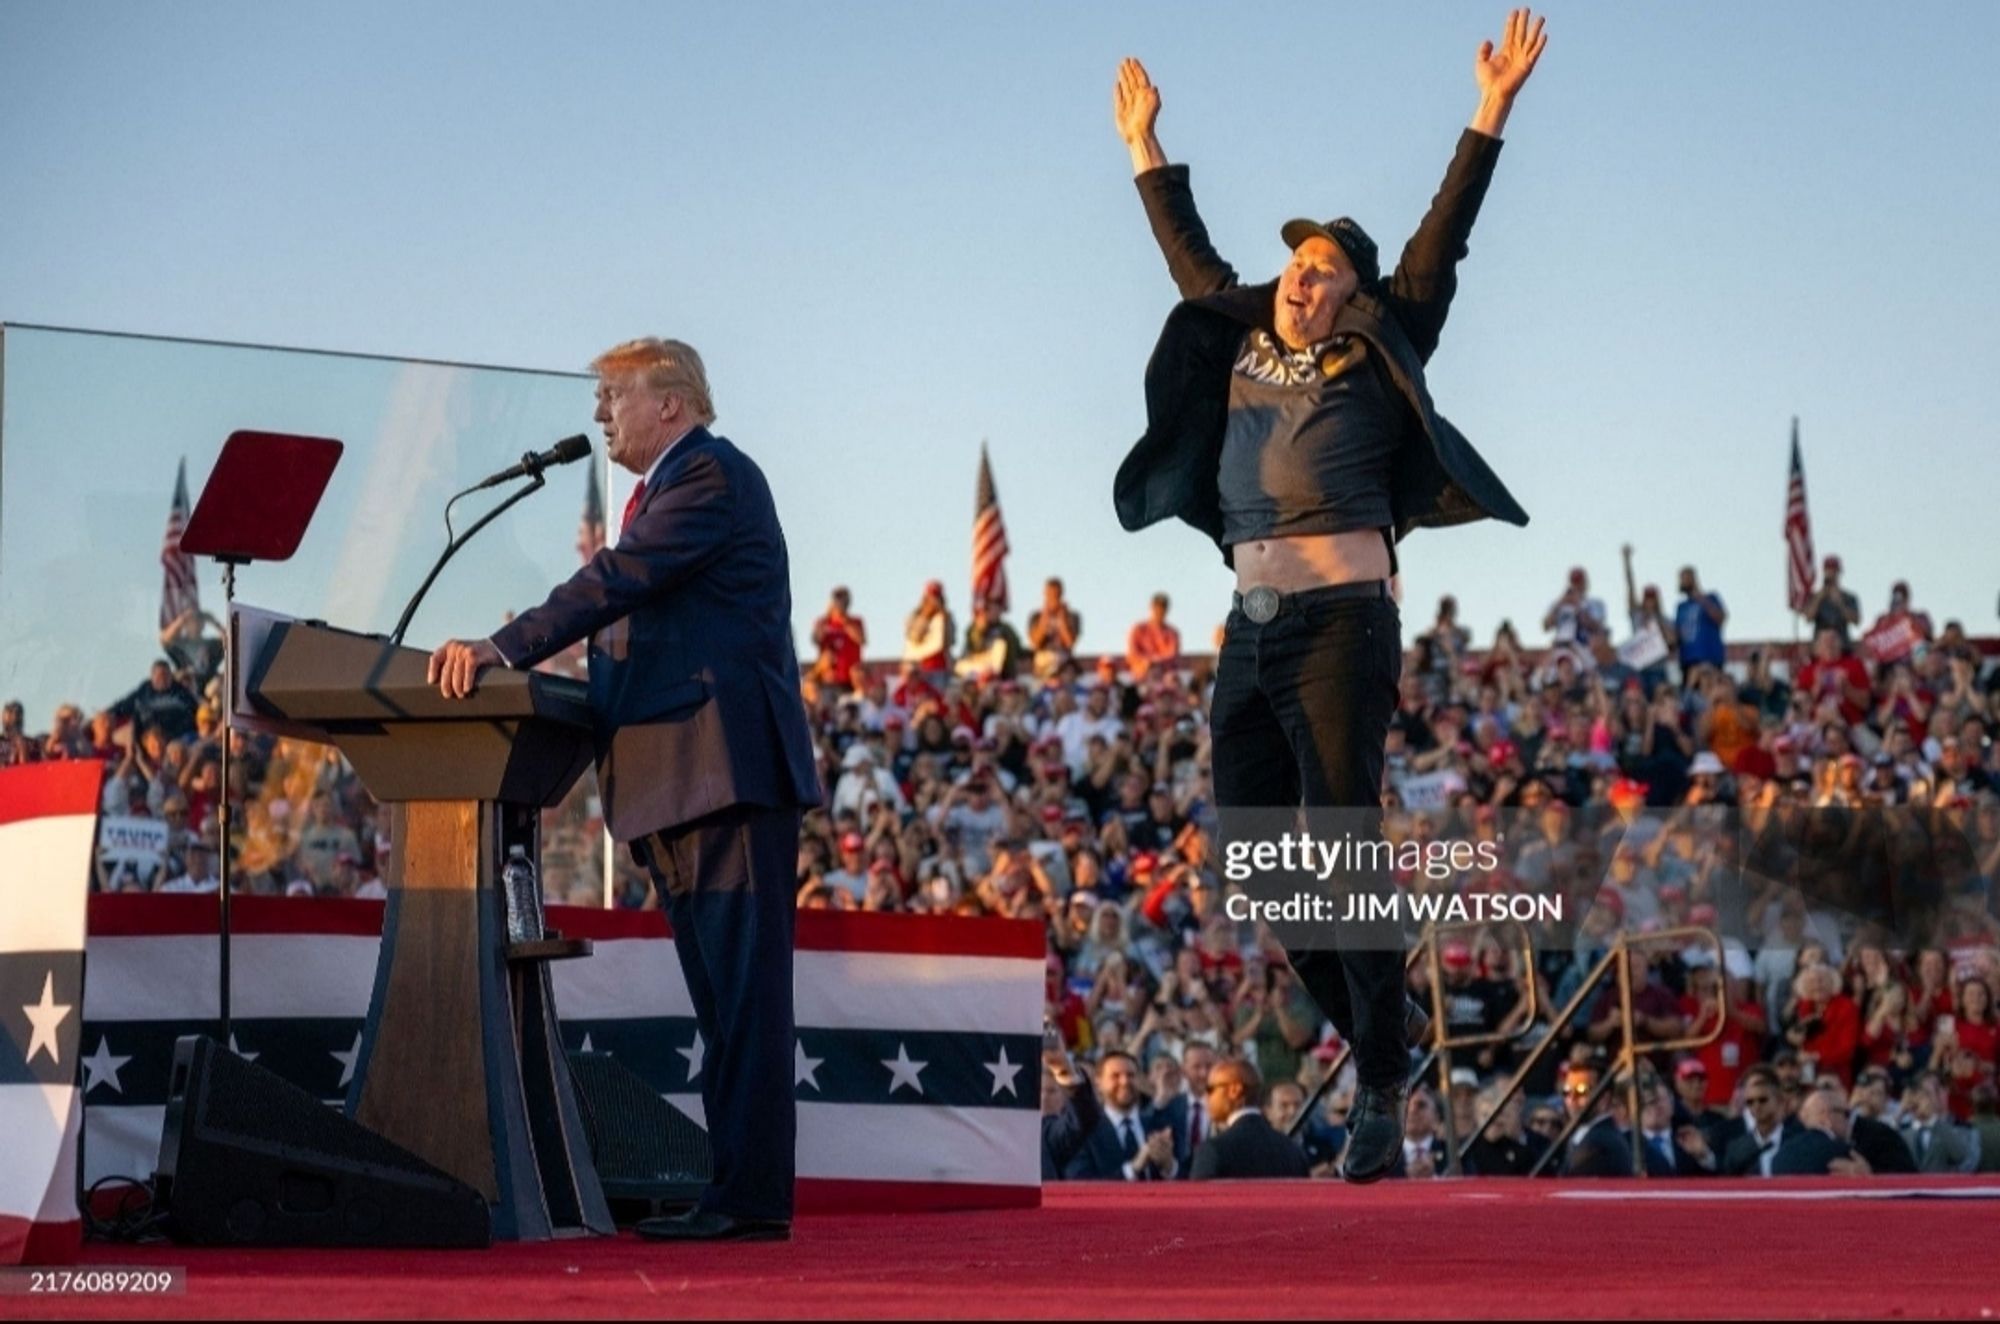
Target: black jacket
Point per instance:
(1438, 478)
(1742, 1158)
(1810, 1153)
(1602, 1150)
(1064, 1134)
(1251, 1147)
(1882, 1145)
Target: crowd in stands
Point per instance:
(1832, 819)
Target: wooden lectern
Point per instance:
(461, 1059)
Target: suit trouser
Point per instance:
(726, 883)
(1299, 717)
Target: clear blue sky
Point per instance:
(896, 229)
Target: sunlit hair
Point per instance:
(670, 367)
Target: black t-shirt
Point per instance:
(1477, 1006)
(1310, 440)
(171, 709)
(1828, 615)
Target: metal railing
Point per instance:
(1625, 1070)
(1616, 961)
(1441, 1044)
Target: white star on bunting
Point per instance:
(43, 1018)
(101, 1068)
(903, 1071)
(693, 1056)
(805, 1069)
(1004, 1073)
(247, 1057)
(347, 1060)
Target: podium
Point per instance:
(461, 1060)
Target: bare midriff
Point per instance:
(1311, 560)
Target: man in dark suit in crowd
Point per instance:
(1127, 1144)
(1069, 1112)
(1936, 1142)
(1602, 1147)
(704, 758)
(1821, 1148)
(1658, 1135)
(1243, 1144)
(1505, 1147)
(1877, 1143)
(1184, 1112)
(1751, 1143)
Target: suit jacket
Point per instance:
(1102, 1154)
(1742, 1157)
(693, 677)
(1504, 1157)
(1174, 1115)
(1437, 478)
(1251, 1147)
(1952, 1147)
(1602, 1150)
(1683, 1164)
(1809, 1154)
(1879, 1143)
(1065, 1133)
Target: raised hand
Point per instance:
(1135, 110)
(1502, 71)
(1135, 102)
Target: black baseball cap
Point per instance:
(1346, 234)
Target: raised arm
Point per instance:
(1426, 276)
(1196, 267)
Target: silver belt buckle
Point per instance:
(1260, 604)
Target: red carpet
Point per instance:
(1236, 1250)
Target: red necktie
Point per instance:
(631, 508)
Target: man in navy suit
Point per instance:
(704, 758)
(1123, 1144)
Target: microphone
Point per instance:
(566, 451)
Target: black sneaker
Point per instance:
(1374, 1134)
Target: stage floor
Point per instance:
(1918, 1248)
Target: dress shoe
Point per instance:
(1374, 1134)
(707, 1225)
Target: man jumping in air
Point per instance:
(1291, 423)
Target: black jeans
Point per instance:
(1300, 714)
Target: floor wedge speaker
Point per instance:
(644, 1148)
(250, 1159)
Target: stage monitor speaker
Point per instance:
(644, 1148)
(250, 1159)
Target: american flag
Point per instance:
(48, 820)
(590, 534)
(989, 540)
(1798, 532)
(180, 591)
(915, 1064)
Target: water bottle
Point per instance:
(523, 892)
